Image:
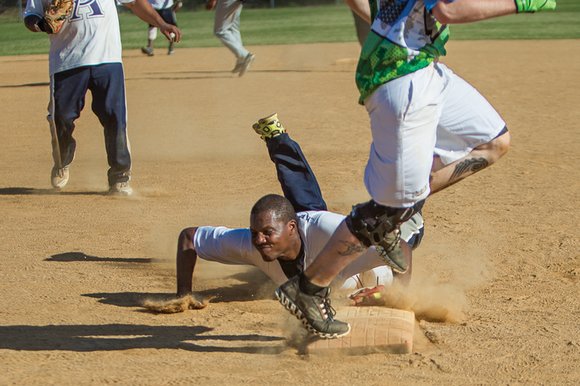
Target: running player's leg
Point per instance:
(471, 134)
(67, 99)
(404, 115)
(108, 90)
(226, 26)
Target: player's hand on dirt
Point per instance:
(535, 5)
(171, 32)
(210, 4)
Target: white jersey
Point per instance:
(89, 36)
(161, 4)
(234, 246)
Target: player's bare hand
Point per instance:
(210, 4)
(171, 32)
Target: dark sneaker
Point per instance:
(121, 189)
(246, 64)
(59, 177)
(147, 51)
(390, 250)
(314, 311)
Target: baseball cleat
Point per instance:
(314, 311)
(245, 65)
(147, 51)
(59, 177)
(390, 251)
(368, 296)
(121, 189)
(269, 127)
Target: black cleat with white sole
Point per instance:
(314, 311)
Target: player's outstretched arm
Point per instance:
(186, 259)
(468, 11)
(143, 10)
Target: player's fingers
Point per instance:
(174, 34)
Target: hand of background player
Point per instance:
(171, 32)
(535, 5)
(210, 4)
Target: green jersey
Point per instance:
(404, 38)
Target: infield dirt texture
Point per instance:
(497, 279)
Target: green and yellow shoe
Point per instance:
(269, 127)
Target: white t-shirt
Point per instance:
(234, 246)
(89, 36)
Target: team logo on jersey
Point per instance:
(86, 8)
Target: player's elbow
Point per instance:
(185, 240)
(447, 13)
(501, 145)
(130, 5)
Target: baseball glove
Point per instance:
(56, 14)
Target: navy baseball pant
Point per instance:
(296, 177)
(107, 85)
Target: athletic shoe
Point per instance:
(121, 189)
(170, 50)
(237, 67)
(367, 296)
(390, 250)
(269, 127)
(245, 66)
(59, 177)
(147, 51)
(314, 311)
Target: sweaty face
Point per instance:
(274, 239)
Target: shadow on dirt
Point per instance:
(110, 337)
(68, 257)
(23, 191)
(38, 84)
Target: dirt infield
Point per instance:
(499, 263)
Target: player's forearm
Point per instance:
(361, 8)
(467, 11)
(185, 261)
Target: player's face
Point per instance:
(274, 239)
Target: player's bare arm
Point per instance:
(361, 8)
(186, 259)
(143, 10)
(467, 11)
(341, 250)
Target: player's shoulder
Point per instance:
(314, 217)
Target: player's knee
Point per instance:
(219, 33)
(497, 147)
(185, 240)
(152, 33)
(502, 144)
(370, 222)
